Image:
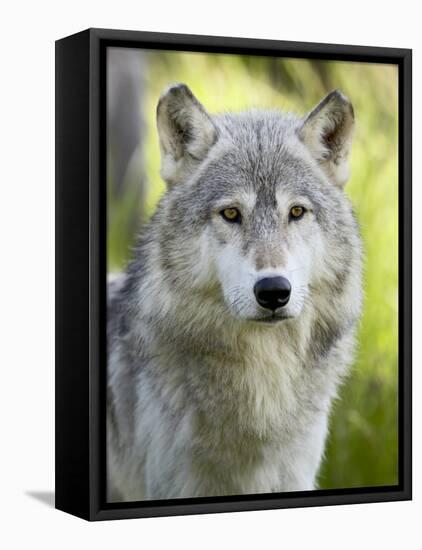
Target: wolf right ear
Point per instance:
(328, 132)
(186, 132)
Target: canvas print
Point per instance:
(252, 268)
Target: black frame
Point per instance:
(81, 268)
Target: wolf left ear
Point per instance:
(328, 132)
(186, 133)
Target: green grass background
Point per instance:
(362, 449)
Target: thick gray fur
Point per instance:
(208, 392)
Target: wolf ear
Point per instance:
(186, 132)
(328, 132)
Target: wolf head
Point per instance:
(255, 212)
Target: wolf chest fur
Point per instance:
(233, 325)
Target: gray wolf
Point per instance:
(233, 325)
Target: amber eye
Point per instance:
(231, 215)
(296, 212)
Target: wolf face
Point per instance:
(262, 244)
(256, 197)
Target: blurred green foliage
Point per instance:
(362, 448)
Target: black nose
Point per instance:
(272, 292)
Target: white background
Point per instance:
(27, 275)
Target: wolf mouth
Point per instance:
(270, 320)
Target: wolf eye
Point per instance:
(296, 212)
(231, 215)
